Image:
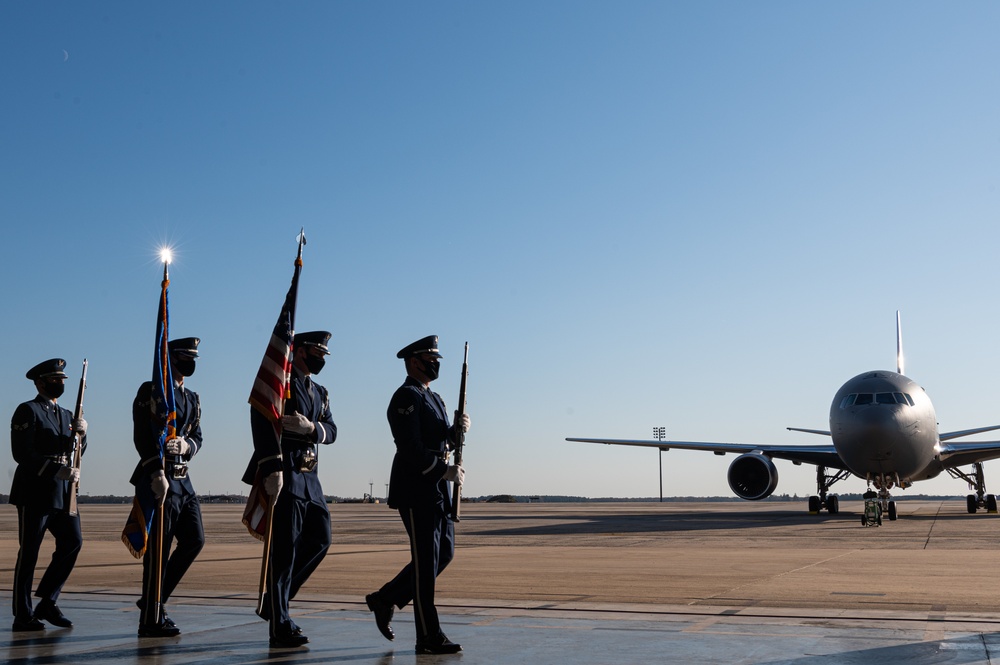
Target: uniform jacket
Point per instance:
(146, 430)
(39, 431)
(419, 423)
(313, 401)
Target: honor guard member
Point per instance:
(418, 488)
(300, 520)
(168, 477)
(42, 436)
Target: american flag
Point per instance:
(271, 387)
(135, 535)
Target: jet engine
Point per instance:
(752, 476)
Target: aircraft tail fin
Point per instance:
(899, 346)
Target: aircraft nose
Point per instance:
(878, 431)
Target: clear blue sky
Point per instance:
(699, 215)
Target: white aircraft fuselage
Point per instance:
(883, 425)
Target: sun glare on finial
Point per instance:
(166, 255)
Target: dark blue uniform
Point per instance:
(301, 521)
(181, 511)
(419, 423)
(42, 442)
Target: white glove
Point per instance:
(68, 473)
(297, 423)
(455, 474)
(159, 485)
(79, 426)
(178, 446)
(273, 483)
(464, 424)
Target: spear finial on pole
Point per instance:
(301, 238)
(166, 255)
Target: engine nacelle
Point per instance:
(752, 476)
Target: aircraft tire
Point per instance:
(991, 503)
(892, 511)
(833, 505)
(971, 504)
(814, 505)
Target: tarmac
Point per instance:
(916, 591)
(224, 632)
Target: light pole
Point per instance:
(659, 433)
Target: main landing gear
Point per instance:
(823, 484)
(977, 482)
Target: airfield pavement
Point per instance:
(567, 582)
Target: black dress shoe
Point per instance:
(383, 614)
(31, 625)
(50, 612)
(289, 641)
(167, 621)
(159, 630)
(444, 645)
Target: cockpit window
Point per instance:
(864, 399)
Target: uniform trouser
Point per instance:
(432, 547)
(181, 521)
(32, 523)
(300, 537)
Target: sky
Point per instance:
(701, 216)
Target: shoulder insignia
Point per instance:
(19, 428)
(407, 411)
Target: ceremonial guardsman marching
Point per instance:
(168, 478)
(419, 490)
(42, 436)
(300, 519)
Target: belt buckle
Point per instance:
(179, 471)
(307, 461)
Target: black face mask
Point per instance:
(431, 368)
(184, 367)
(314, 363)
(54, 389)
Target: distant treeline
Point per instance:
(524, 498)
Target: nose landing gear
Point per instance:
(883, 483)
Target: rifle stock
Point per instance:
(456, 494)
(74, 489)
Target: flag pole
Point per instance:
(272, 500)
(166, 377)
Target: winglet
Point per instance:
(899, 346)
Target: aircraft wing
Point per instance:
(818, 455)
(954, 454)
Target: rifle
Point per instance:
(456, 494)
(74, 489)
